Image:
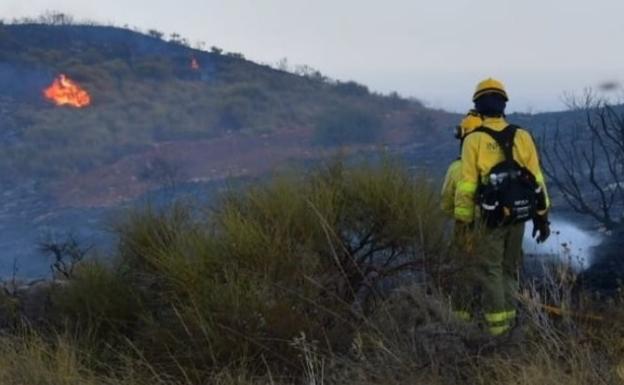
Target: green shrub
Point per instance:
(351, 88)
(237, 284)
(243, 106)
(98, 301)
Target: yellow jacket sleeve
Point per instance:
(468, 180)
(447, 199)
(531, 162)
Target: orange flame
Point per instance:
(194, 64)
(64, 91)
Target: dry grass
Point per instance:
(411, 338)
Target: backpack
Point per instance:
(510, 194)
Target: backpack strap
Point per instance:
(504, 138)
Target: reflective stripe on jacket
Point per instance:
(480, 153)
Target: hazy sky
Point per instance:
(435, 50)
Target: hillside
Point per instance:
(159, 114)
(146, 91)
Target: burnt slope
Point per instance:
(144, 91)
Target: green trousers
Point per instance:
(486, 280)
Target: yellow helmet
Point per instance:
(490, 85)
(469, 123)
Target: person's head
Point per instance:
(469, 123)
(490, 98)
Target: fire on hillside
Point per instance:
(65, 92)
(194, 64)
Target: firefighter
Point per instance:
(490, 281)
(470, 121)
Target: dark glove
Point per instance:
(541, 226)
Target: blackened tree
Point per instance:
(584, 159)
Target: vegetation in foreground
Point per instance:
(336, 276)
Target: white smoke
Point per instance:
(568, 242)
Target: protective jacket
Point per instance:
(470, 122)
(447, 201)
(480, 153)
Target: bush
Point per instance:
(237, 285)
(351, 89)
(98, 301)
(156, 34)
(242, 106)
(289, 281)
(345, 125)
